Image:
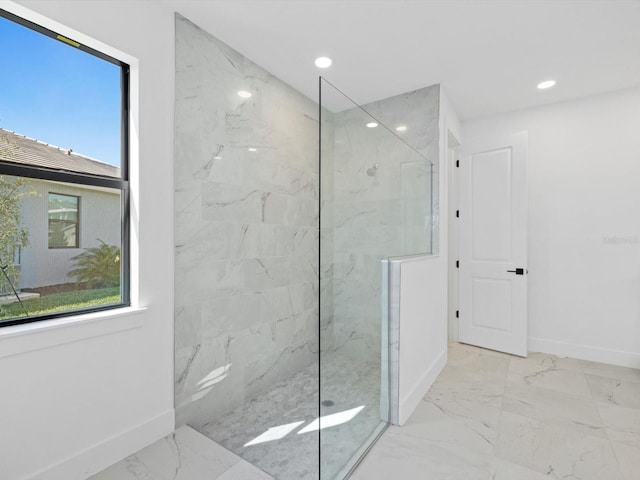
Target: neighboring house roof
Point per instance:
(16, 148)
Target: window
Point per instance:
(64, 176)
(64, 216)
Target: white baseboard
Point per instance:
(97, 457)
(410, 401)
(585, 352)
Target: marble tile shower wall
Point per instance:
(419, 111)
(246, 241)
(386, 214)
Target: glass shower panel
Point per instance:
(375, 203)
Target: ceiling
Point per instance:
(488, 55)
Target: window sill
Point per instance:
(28, 337)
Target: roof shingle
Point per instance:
(16, 148)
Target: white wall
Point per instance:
(422, 335)
(79, 395)
(584, 224)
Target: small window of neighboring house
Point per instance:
(64, 221)
(64, 150)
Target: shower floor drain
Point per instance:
(328, 403)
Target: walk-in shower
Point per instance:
(363, 223)
(281, 321)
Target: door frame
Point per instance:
(453, 155)
(453, 292)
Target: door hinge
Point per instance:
(457, 163)
(457, 213)
(457, 313)
(457, 263)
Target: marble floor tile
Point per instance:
(623, 393)
(399, 456)
(628, 456)
(488, 416)
(474, 363)
(473, 436)
(172, 455)
(480, 375)
(183, 455)
(475, 422)
(631, 439)
(432, 423)
(542, 362)
(626, 446)
(471, 383)
(244, 471)
(539, 415)
(187, 437)
(611, 371)
(460, 350)
(626, 420)
(504, 470)
(548, 371)
(516, 438)
(128, 469)
(564, 381)
(572, 411)
(450, 389)
(554, 450)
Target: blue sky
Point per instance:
(59, 94)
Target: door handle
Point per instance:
(517, 271)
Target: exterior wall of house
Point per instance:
(99, 219)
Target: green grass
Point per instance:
(59, 302)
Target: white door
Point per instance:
(493, 243)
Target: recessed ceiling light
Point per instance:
(401, 128)
(546, 84)
(244, 94)
(251, 149)
(372, 125)
(323, 62)
(217, 158)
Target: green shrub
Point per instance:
(97, 267)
